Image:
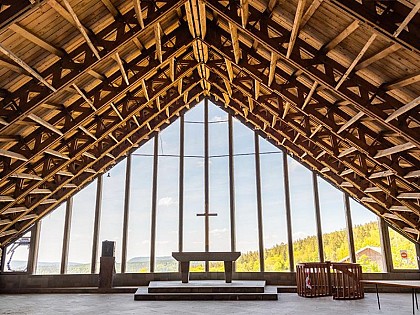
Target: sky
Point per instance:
(272, 188)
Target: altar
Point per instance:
(186, 257)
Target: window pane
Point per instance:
(333, 221)
(138, 245)
(245, 198)
(194, 182)
(81, 232)
(51, 241)
(219, 183)
(305, 243)
(403, 251)
(17, 254)
(167, 206)
(274, 212)
(367, 241)
(113, 209)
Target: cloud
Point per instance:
(166, 201)
(299, 235)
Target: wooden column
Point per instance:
(2, 259)
(231, 187)
(349, 226)
(181, 184)
(126, 214)
(206, 180)
(417, 254)
(259, 201)
(33, 249)
(154, 203)
(97, 223)
(288, 212)
(385, 245)
(318, 217)
(66, 236)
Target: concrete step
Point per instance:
(142, 294)
(208, 286)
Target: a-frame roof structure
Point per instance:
(333, 82)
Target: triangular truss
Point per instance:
(85, 83)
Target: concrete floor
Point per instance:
(120, 304)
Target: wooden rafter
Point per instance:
(12, 155)
(398, 84)
(244, 12)
(235, 41)
(295, 28)
(121, 66)
(139, 14)
(351, 122)
(10, 66)
(395, 149)
(340, 37)
(272, 71)
(310, 11)
(158, 41)
(44, 123)
(378, 56)
(407, 20)
(404, 109)
(111, 8)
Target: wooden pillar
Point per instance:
(126, 214)
(206, 181)
(417, 254)
(288, 212)
(181, 184)
(259, 201)
(385, 245)
(2, 259)
(97, 223)
(66, 235)
(154, 203)
(231, 187)
(349, 226)
(318, 217)
(33, 249)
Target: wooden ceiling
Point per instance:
(333, 82)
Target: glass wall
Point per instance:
(333, 222)
(403, 251)
(113, 209)
(17, 254)
(367, 242)
(276, 256)
(305, 243)
(51, 242)
(167, 194)
(81, 231)
(245, 198)
(138, 243)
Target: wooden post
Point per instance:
(33, 249)
(318, 217)
(259, 201)
(206, 180)
(97, 223)
(126, 214)
(181, 184)
(349, 225)
(66, 236)
(231, 188)
(385, 245)
(154, 203)
(288, 212)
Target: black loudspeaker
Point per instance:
(108, 249)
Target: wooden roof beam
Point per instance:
(412, 174)
(139, 14)
(310, 94)
(235, 42)
(37, 40)
(407, 20)
(398, 84)
(40, 191)
(25, 176)
(13, 155)
(271, 5)
(121, 66)
(10, 66)
(83, 95)
(66, 15)
(378, 56)
(311, 10)
(229, 69)
(116, 110)
(56, 154)
(403, 109)
(111, 8)
(340, 37)
(381, 174)
(356, 60)
(395, 149)
(82, 29)
(158, 41)
(409, 195)
(25, 66)
(295, 28)
(96, 75)
(144, 87)
(273, 63)
(44, 123)
(351, 122)
(347, 152)
(9, 138)
(87, 132)
(244, 12)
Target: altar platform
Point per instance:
(206, 290)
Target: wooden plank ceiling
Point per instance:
(333, 82)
